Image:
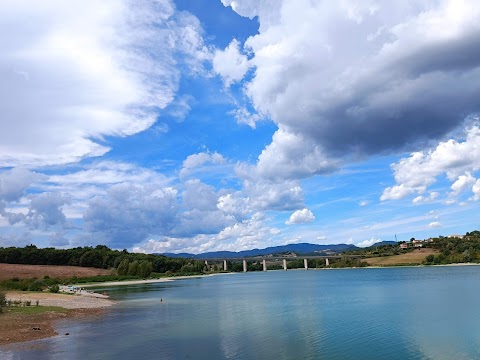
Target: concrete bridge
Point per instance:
(275, 259)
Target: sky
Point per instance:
(203, 125)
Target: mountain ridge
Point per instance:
(300, 248)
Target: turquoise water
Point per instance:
(390, 313)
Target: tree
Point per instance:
(123, 267)
(133, 268)
(3, 300)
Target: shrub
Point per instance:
(54, 288)
(3, 298)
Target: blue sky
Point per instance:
(195, 125)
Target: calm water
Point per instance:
(396, 313)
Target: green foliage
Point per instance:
(133, 268)
(100, 257)
(455, 250)
(122, 268)
(28, 284)
(347, 261)
(3, 298)
(54, 288)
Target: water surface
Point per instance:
(387, 313)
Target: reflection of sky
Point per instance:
(399, 313)
(443, 316)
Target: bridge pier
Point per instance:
(224, 265)
(327, 263)
(244, 265)
(264, 265)
(285, 264)
(305, 263)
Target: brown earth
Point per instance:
(8, 271)
(417, 256)
(32, 323)
(18, 327)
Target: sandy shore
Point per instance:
(147, 281)
(61, 300)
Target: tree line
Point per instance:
(100, 257)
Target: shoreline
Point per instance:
(28, 323)
(148, 281)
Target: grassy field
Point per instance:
(415, 257)
(29, 310)
(8, 271)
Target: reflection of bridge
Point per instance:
(275, 259)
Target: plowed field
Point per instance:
(8, 271)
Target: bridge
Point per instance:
(284, 259)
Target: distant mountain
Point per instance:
(303, 248)
(381, 243)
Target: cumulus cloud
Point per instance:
(82, 71)
(244, 235)
(15, 182)
(46, 210)
(424, 199)
(455, 159)
(198, 195)
(196, 161)
(291, 156)
(463, 182)
(300, 217)
(128, 213)
(266, 195)
(368, 243)
(230, 64)
(351, 79)
(234, 204)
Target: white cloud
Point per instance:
(82, 71)
(15, 182)
(462, 183)
(264, 195)
(435, 224)
(396, 192)
(234, 204)
(180, 107)
(300, 217)
(245, 235)
(476, 190)
(198, 195)
(289, 156)
(424, 199)
(348, 79)
(368, 243)
(230, 64)
(456, 159)
(196, 161)
(363, 203)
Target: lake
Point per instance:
(385, 313)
